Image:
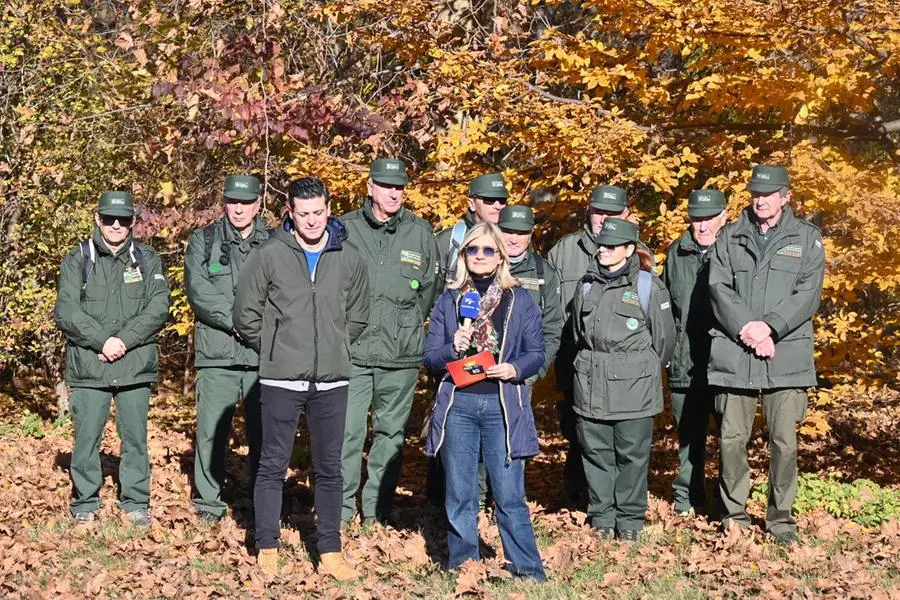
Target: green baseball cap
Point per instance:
(241, 187)
(609, 197)
(491, 185)
(516, 218)
(768, 178)
(116, 204)
(389, 171)
(616, 232)
(705, 203)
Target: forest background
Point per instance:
(165, 98)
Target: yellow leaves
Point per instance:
(815, 425)
(755, 55)
(802, 115)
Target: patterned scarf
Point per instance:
(485, 336)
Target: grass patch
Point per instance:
(864, 502)
(209, 566)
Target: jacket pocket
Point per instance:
(793, 355)
(582, 381)
(212, 344)
(630, 383)
(274, 339)
(725, 354)
(409, 333)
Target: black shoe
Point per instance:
(629, 535)
(605, 533)
(209, 518)
(786, 539)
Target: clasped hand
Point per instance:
(113, 350)
(758, 335)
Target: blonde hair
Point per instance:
(504, 277)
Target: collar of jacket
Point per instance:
(527, 263)
(257, 236)
(102, 248)
(629, 272)
(335, 228)
(469, 219)
(390, 225)
(588, 240)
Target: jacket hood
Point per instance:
(337, 233)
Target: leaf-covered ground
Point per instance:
(43, 556)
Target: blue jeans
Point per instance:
(475, 427)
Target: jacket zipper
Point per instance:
(512, 302)
(312, 281)
(274, 335)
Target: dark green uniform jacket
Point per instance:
(545, 289)
(401, 261)
(117, 303)
(686, 276)
(620, 356)
(572, 256)
(301, 329)
(210, 290)
(444, 239)
(781, 286)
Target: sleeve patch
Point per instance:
(159, 276)
(664, 306)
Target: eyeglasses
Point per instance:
(492, 201)
(487, 251)
(109, 220)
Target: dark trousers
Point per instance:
(219, 390)
(691, 409)
(616, 462)
(325, 415)
(573, 471)
(90, 410)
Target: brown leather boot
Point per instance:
(333, 563)
(267, 561)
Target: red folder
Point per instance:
(470, 369)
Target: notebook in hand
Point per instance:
(470, 369)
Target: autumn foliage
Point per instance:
(658, 96)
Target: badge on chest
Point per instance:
(132, 275)
(629, 297)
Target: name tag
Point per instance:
(792, 250)
(413, 258)
(630, 297)
(132, 275)
(529, 283)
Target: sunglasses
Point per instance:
(486, 251)
(492, 201)
(110, 220)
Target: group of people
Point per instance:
(328, 315)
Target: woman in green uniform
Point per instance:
(624, 335)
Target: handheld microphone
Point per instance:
(469, 305)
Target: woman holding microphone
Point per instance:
(625, 335)
(491, 418)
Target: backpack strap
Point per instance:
(208, 235)
(644, 290)
(457, 235)
(539, 267)
(88, 258)
(138, 259)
